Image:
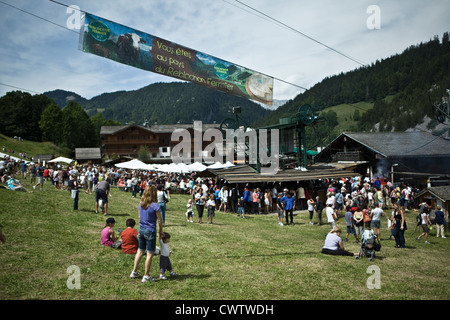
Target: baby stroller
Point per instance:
(369, 244)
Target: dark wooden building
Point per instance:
(126, 140)
(415, 156)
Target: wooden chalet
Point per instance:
(414, 156)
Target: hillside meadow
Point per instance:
(232, 259)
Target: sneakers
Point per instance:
(134, 275)
(148, 279)
(163, 277)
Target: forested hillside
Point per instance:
(165, 103)
(416, 79)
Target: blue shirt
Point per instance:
(247, 196)
(288, 202)
(147, 217)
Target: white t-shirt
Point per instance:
(164, 247)
(329, 212)
(332, 241)
(424, 218)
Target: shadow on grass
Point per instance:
(276, 254)
(182, 277)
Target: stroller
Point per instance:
(369, 244)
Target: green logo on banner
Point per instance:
(99, 30)
(221, 71)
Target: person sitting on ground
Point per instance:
(130, 242)
(15, 185)
(108, 236)
(333, 244)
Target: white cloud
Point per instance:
(40, 56)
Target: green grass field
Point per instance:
(233, 259)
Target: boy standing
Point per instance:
(425, 225)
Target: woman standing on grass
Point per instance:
(149, 214)
(399, 226)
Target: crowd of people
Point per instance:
(360, 201)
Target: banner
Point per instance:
(141, 50)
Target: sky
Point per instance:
(319, 39)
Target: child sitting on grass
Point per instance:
(109, 238)
(130, 242)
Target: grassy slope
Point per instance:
(31, 148)
(235, 258)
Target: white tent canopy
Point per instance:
(62, 159)
(173, 167)
(135, 164)
(196, 166)
(219, 165)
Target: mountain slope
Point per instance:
(403, 88)
(166, 103)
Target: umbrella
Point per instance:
(62, 159)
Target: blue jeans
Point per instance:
(162, 208)
(399, 236)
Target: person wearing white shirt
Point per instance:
(333, 244)
(164, 261)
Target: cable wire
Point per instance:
(278, 22)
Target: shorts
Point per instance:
(147, 240)
(280, 213)
(425, 228)
(339, 206)
(100, 194)
(376, 224)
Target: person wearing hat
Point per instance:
(73, 185)
(108, 237)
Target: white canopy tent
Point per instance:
(135, 164)
(62, 159)
(219, 165)
(173, 168)
(197, 166)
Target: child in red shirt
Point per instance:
(129, 238)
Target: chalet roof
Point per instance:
(88, 154)
(441, 192)
(401, 144)
(245, 173)
(157, 128)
